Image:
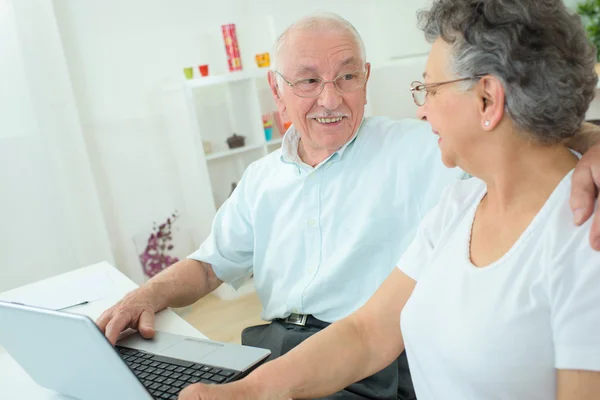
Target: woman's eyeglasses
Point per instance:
(420, 90)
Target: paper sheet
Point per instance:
(66, 294)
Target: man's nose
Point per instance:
(330, 98)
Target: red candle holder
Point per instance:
(203, 69)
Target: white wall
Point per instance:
(51, 218)
(121, 53)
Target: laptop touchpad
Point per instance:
(190, 349)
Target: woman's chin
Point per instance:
(448, 162)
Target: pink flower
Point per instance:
(155, 257)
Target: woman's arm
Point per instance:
(356, 347)
(577, 385)
(347, 351)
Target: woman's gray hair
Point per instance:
(537, 49)
(318, 21)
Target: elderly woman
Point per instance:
(499, 294)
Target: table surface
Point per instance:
(14, 381)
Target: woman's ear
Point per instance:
(491, 95)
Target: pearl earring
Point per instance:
(487, 123)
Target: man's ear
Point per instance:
(276, 92)
(368, 69)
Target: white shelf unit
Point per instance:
(212, 109)
(221, 106)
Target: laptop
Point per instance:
(69, 354)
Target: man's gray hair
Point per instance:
(538, 50)
(318, 21)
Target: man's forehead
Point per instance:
(313, 50)
(311, 65)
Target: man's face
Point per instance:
(329, 120)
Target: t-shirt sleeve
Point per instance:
(574, 293)
(419, 251)
(230, 246)
(440, 222)
(430, 230)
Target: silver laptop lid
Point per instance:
(66, 353)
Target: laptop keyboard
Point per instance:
(165, 377)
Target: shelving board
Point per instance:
(232, 152)
(226, 78)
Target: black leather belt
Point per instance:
(304, 320)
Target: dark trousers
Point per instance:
(391, 383)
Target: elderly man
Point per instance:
(320, 223)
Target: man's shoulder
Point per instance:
(398, 135)
(264, 166)
(397, 128)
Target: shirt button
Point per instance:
(311, 270)
(311, 222)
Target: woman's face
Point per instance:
(451, 111)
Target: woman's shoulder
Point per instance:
(464, 192)
(457, 199)
(559, 229)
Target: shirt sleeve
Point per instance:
(229, 248)
(574, 293)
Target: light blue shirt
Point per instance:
(321, 240)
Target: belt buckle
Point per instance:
(297, 319)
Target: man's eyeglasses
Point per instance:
(312, 87)
(420, 90)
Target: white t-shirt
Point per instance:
(500, 332)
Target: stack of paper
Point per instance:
(65, 294)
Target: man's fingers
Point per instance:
(583, 194)
(146, 324)
(595, 232)
(193, 392)
(116, 325)
(102, 321)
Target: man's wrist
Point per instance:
(151, 291)
(263, 386)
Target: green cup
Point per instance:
(189, 72)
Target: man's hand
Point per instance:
(239, 390)
(584, 192)
(134, 311)
(200, 391)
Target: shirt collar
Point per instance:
(291, 139)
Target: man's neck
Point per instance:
(311, 156)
